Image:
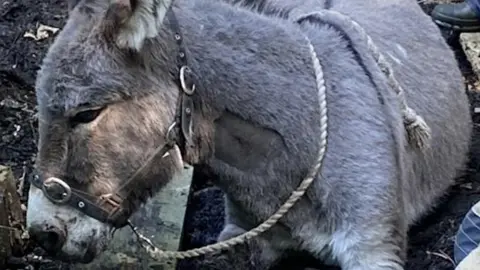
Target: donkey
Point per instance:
(108, 93)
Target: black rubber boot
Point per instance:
(456, 16)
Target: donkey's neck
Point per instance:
(257, 72)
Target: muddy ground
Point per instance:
(430, 241)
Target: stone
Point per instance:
(160, 219)
(471, 46)
(12, 219)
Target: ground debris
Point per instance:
(12, 229)
(11, 103)
(467, 185)
(42, 32)
(442, 255)
(471, 45)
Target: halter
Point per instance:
(111, 208)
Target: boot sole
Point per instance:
(458, 27)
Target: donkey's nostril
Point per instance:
(49, 238)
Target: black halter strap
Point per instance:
(183, 118)
(111, 208)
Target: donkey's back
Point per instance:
(427, 70)
(374, 184)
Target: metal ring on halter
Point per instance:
(59, 198)
(183, 84)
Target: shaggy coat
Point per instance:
(256, 113)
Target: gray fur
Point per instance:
(252, 67)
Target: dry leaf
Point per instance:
(42, 32)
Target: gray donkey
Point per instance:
(108, 92)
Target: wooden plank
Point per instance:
(161, 219)
(5, 248)
(12, 221)
(173, 200)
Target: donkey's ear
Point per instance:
(129, 22)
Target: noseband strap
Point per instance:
(108, 208)
(112, 208)
(58, 192)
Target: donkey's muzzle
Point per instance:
(50, 238)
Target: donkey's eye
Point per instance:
(84, 117)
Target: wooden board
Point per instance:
(161, 219)
(12, 221)
(5, 247)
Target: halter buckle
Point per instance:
(109, 198)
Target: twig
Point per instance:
(22, 181)
(442, 255)
(9, 228)
(34, 134)
(32, 258)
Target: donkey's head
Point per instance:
(107, 97)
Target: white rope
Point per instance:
(158, 254)
(418, 131)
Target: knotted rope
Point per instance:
(418, 132)
(158, 254)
